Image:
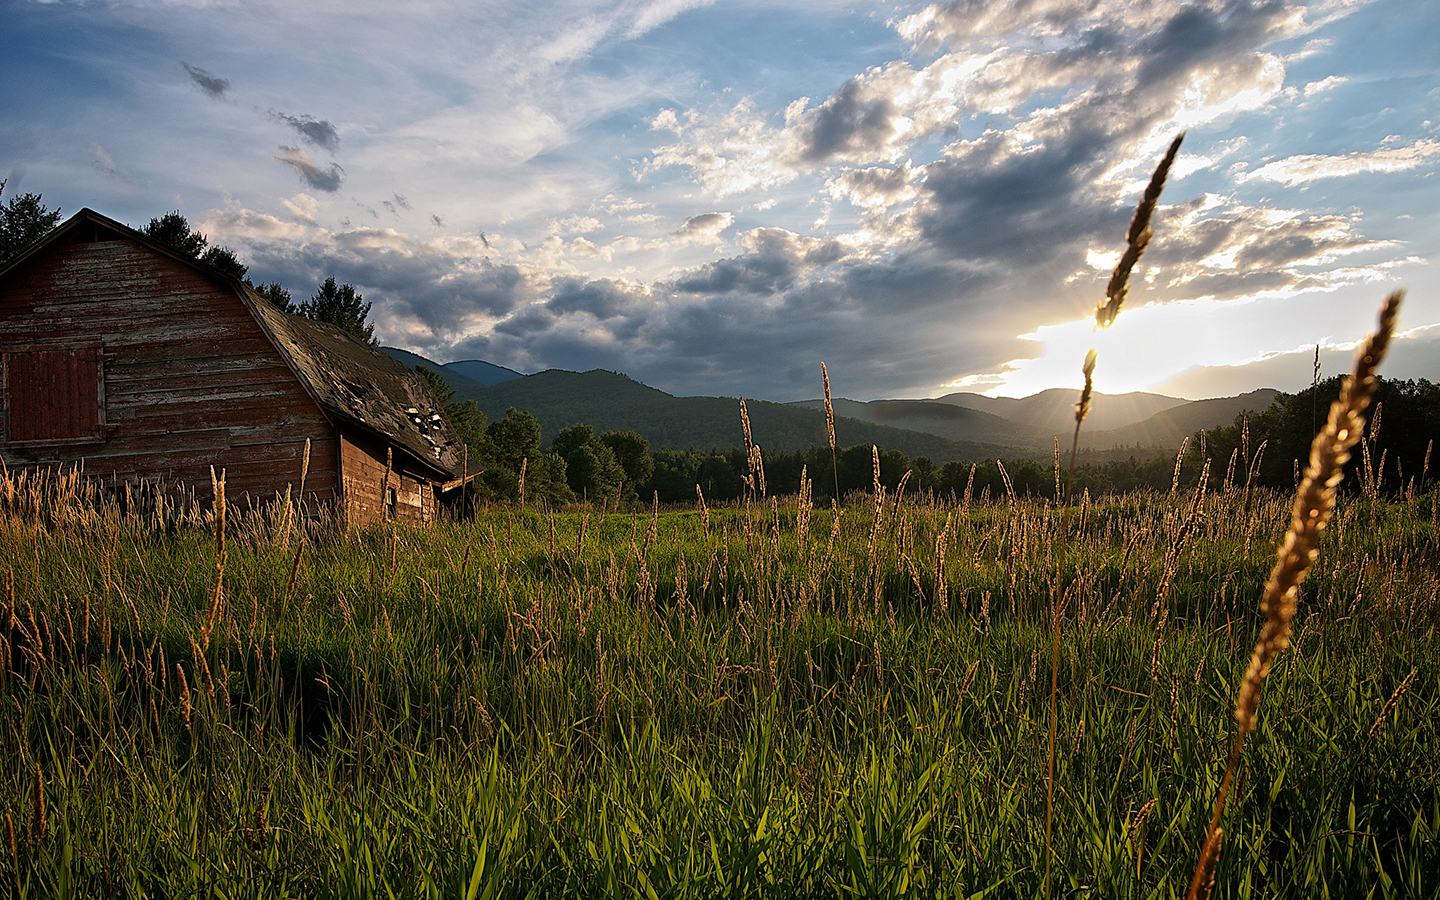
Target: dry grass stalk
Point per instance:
(385, 484)
(830, 429)
(1250, 478)
(1134, 833)
(38, 823)
(14, 851)
(1179, 460)
(524, 464)
(1058, 495)
(1390, 704)
(1082, 409)
(217, 593)
(1136, 239)
(829, 406)
(1314, 503)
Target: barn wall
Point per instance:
(190, 380)
(362, 465)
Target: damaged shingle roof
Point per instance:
(365, 386)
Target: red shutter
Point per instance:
(53, 395)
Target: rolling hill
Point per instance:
(958, 426)
(610, 401)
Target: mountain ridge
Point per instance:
(958, 426)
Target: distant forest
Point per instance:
(621, 466)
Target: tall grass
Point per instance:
(681, 703)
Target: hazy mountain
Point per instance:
(1053, 411)
(1036, 422)
(1171, 426)
(957, 423)
(609, 401)
(457, 381)
(481, 371)
(462, 374)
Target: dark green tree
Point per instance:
(342, 306)
(23, 221)
(513, 442)
(513, 438)
(591, 469)
(1409, 420)
(173, 230)
(224, 260)
(632, 452)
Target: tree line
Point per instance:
(1395, 457)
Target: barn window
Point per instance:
(54, 396)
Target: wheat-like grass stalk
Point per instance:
(1314, 503)
(39, 825)
(830, 429)
(217, 593)
(1136, 239)
(1390, 704)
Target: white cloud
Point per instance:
(1305, 168)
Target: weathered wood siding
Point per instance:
(362, 465)
(190, 379)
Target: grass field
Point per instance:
(765, 700)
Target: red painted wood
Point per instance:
(53, 395)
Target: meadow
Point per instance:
(756, 699)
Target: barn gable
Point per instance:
(147, 364)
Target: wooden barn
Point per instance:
(150, 366)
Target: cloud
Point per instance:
(1305, 168)
(213, 85)
(1415, 354)
(316, 132)
(104, 164)
(705, 228)
(326, 179)
(657, 13)
(849, 124)
(395, 204)
(775, 261)
(875, 188)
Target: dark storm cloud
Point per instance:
(860, 317)
(603, 299)
(213, 85)
(1001, 206)
(777, 258)
(316, 132)
(848, 123)
(530, 324)
(442, 291)
(1202, 35)
(327, 178)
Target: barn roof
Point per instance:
(352, 381)
(365, 386)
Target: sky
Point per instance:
(712, 198)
